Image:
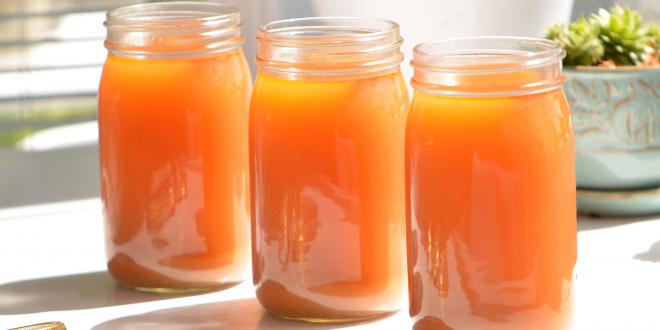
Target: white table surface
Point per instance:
(52, 268)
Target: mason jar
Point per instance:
(173, 121)
(327, 123)
(490, 170)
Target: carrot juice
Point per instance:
(490, 187)
(326, 160)
(173, 146)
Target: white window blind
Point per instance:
(51, 52)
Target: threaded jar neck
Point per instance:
(173, 29)
(487, 66)
(329, 46)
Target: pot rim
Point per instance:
(626, 69)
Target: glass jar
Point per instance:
(327, 124)
(173, 121)
(490, 186)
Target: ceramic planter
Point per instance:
(616, 116)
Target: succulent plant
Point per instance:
(653, 32)
(623, 35)
(581, 41)
(609, 38)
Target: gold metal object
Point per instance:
(43, 326)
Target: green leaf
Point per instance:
(623, 37)
(580, 40)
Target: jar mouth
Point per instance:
(329, 45)
(321, 30)
(178, 28)
(488, 66)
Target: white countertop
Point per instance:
(52, 268)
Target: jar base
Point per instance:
(355, 319)
(179, 291)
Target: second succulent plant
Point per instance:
(611, 38)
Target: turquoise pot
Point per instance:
(616, 116)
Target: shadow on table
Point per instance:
(591, 222)
(653, 254)
(234, 314)
(79, 291)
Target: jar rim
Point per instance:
(329, 46)
(494, 54)
(327, 29)
(487, 66)
(173, 15)
(173, 29)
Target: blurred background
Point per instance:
(51, 52)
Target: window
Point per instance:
(51, 52)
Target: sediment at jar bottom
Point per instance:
(465, 321)
(132, 275)
(279, 301)
(430, 323)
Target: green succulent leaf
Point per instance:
(617, 36)
(624, 38)
(580, 40)
(653, 32)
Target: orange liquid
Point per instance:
(328, 196)
(174, 171)
(492, 218)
